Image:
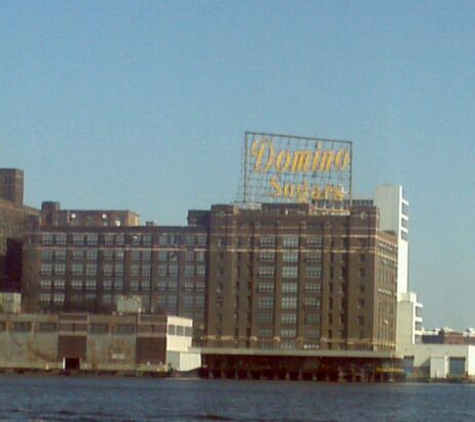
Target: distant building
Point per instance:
(51, 215)
(15, 220)
(394, 217)
(409, 320)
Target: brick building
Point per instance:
(275, 277)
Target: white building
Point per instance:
(409, 320)
(394, 217)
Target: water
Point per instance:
(24, 398)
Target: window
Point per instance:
(91, 239)
(60, 269)
(134, 270)
(147, 239)
(58, 298)
(45, 298)
(125, 329)
(46, 269)
(90, 297)
(146, 270)
(108, 255)
(119, 239)
(265, 286)
(76, 284)
(313, 256)
(78, 254)
(61, 239)
(173, 270)
(267, 240)
(47, 239)
(312, 319)
(59, 284)
(200, 300)
(21, 326)
(312, 302)
(291, 256)
(289, 318)
(313, 333)
(189, 240)
(135, 255)
(91, 254)
(313, 287)
(47, 254)
(60, 254)
(201, 240)
(119, 254)
(266, 302)
(265, 332)
(90, 284)
(288, 333)
(265, 317)
(314, 271)
(287, 345)
(91, 269)
(189, 271)
(107, 269)
(289, 272)
(188, 300)
(99, 328)
(289, 302)
(290, 242)
(45, 284)
(108, 239)
(77, 269)
(119, 269)
(315, 241)
(47, 327)
(289, 287)
(78, 239)
(266, 271)
(267, 256)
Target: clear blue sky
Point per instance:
(143, 105)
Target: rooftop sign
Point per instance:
(284, 168)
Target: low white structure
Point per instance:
(429, 360)
(180, 357)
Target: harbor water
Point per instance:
(90, 399)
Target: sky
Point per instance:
(143, 105)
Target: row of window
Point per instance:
(288, 287)
(288, 318)
(311, 271)
(312, 333)
(170, 270)
(90, 254)
(288, 302)
(111, 239)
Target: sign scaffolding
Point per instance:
(295, 169)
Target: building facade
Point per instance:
(278, 276)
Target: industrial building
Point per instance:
(120, 343)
